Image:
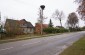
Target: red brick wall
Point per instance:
(38, 27)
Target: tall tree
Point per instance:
(58, 15)
(50, 23)
(72, 20)
(81, 8)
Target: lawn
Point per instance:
(78, 48)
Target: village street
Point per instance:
(52, 45)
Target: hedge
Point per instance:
(54, 30)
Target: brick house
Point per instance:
(38, 27)
(18, 26)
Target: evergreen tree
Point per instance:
(1, 28)
(50, 23)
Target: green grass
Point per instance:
(78, 48)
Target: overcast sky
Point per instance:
(28, 9)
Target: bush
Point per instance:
(54, 30)
(75, 29)
(83, 28)
(7, 35)
(63, 30)
(49, 30)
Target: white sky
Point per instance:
(28, 9)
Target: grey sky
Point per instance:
(28, 9)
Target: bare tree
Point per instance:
(72, 20)
(78, 1)
(58, 15)
(81, 8)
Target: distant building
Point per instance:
(18, 26)
(38, 27)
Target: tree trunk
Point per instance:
(0, 35)
(60, 23)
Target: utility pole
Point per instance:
(0, 19)
(0, 25)
(41, 17)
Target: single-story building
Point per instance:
(19, 26)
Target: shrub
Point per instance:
(49, 30)
(54, 30)
(75, 29)
(83, 28)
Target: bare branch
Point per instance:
(58, 15)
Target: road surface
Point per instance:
(52, 45)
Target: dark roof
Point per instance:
(43, 25)
(22, 23)
(28, 25)
(11, 22)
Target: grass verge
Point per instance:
(25, 37)
(78, 48)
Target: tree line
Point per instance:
(72, 21)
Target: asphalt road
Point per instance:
(52, 45)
